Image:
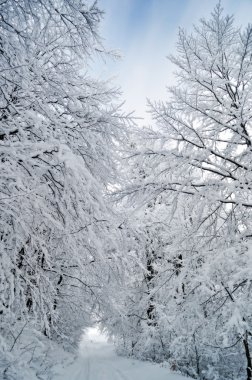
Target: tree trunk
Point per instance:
(248, 356)
(150, 276)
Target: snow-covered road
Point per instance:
(98, 361)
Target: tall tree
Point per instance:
(59, 135)
(198, 157)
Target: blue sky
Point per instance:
(145, 32)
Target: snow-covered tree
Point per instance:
(59, 135)
(198, 156)
(207, 121)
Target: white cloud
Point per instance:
(145, 71)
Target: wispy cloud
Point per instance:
(145, 31)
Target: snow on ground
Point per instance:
(98, 361)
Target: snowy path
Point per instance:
(98, 361)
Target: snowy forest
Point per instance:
(144, 232)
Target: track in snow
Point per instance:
(98, 361)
